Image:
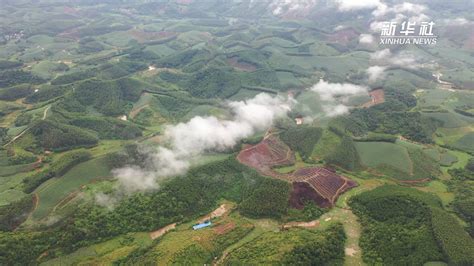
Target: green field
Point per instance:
(377, 154)
(466, 142)
(105, 252)
(54, 190)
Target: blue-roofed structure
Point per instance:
(201, 225)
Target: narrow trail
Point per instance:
(16, 137)
(352, 250)
(36, 200)
(45, 113)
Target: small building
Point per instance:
(202, 225)
(299, 120)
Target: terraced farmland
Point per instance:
(268, 153)
(325, 182)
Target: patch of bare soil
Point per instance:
(162, 231)
(223, 209)
(310, 224)
(377, 97)
(224, 228)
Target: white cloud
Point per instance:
(366, 38)
(328, 92)
(375, 73)
(351, 5)
(381, 54)
(405, 7)
(419, 18)
(381, 10)
(133, 178)
(409, 8)
(456, 21)
(403, 59)
(376, 26)
(405, 11)
(189, 140)
(335, 110)
(280, 6)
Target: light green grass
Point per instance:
(288, 80)
(375, 154)
(466, 142)
(54, 190)
(106, 252)
(434, 97)
(9, 196)
(439, 189)
(205, 110)
(451, 119)
(327, 144)
(244, 94)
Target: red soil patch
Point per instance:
(377, 97)
(326, 183)
(318, 184)
(240, 65)
(224, 228)
(343, 36)
(270, 152)
(303, 192)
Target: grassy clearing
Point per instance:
(54, 190)
(209, 158)
(107, 146)
(15, 169)
(326, 145)
(106, 252)
(450, 119)
(11, 182)
(439, 189)
(375, 154)
(451, 135)
(205, 110)
(288, 80)
(9, 196)
(435, 97)
(466, 142)
(244, 94)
